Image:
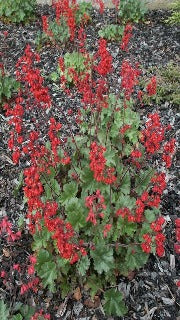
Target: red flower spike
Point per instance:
(152, 86)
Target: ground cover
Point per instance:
(151, 292)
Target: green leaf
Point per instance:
(69, 191)
(21, 14)
(17, 317)
(103, 258)
(75, 213)
(126, 184)
(4, 311)
(42, 257)
(54, 76)
(27, 311)
(150, 215)
(137, 259)
(83, 265)
(65, 288)
(109, 156)
(48, 274)
(129, 228)
(63, 265)
(41, 239)
(113, 303)
(125, 201)
(145, 229)
(19, 184)
(95, 284)
(143, 180)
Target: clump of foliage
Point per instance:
(168, 83)
(18, 312)
(112, 32)
(64, 26)
(74, 65)
(8, 86)
(83, 13)
(17, 10)
(175, 16)
(132, 10)
(54, 32)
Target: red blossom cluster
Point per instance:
(116, 3)
(45, 26)
(153, 134)
(168, 151)
(16, 135)
(146, 245)
(152, 86)
(98, 165)
(36, 96)
(135, 156)
(156, 226)
(158, 238)
(126, 37)
(54, 127)
(6, 229)
(40, 315)
(85, 87)
(100, 4)
(145, 201)
(151, 199)
(107, 228)
(177, 244)
(67, 10)
(105, 64)
(129, 77)
(82, 39)
(96, 204)
(126, 213)
(63, 233)
(101, 95)
(30, 75)
(33, 190)
(124, 128)
(30, 285)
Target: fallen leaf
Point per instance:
(131, 275)
(92, 303)
(6, 253)
(77, 294)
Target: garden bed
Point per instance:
(150, 293)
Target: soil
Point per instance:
(151, 293)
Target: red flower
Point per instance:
(160, 251)
(105, 65)
(153, 134)
(152, 86)
(177, 222)
(129, 78)
(126, 37)
(177, 248)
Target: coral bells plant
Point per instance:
(93, 198)
(69, 17)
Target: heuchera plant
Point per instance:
(93, 198)
(69, 17)
(112, 32)
(131, 10)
